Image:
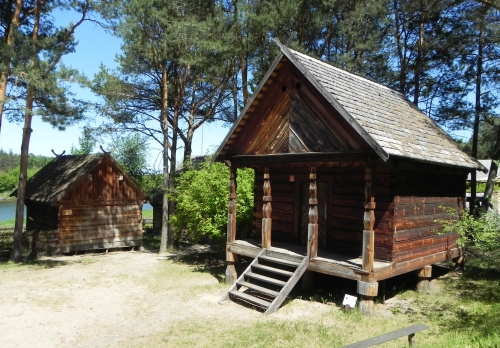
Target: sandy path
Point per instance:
(104, 300)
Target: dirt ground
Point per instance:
(111, 300)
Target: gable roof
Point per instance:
(51, 183)
(389, 123)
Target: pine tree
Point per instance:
(39, 84)
(172, 77)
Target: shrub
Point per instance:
(201, 199)
(482, 233)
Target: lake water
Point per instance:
(8, 209)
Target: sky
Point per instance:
(95, 46)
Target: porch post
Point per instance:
(423, 275)
(312, 227)
(366, 288)
(266, 211)
(231, 275)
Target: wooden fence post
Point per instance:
(266, 211)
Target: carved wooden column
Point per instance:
(231, 275)
(312, 230)
(367, 289)
(312, 227)
(266, 211)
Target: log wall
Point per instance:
(103, 210)
(283, 206)
(348, 210)
(345, 207)
(422, 191)
(99, 226)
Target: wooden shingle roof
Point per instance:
(52, 182)
(390, 124)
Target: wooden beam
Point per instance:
(266, 211)
(309, 157)
(312, 227)
(231, 274)
(368, 253)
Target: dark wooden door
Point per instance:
(322, 213)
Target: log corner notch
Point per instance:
(366, 288)
(312, 227)
(231, 274)
(266, 211)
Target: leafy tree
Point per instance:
(201, 200)
(86, 142)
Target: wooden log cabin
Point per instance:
(350, 178)
(87, 201)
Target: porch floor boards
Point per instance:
(344, 266)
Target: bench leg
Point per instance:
(411, 340)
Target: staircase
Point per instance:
(268, 280)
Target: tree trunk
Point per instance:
(188, 145)
(418, 61)
(399, 48)
(492, 174)
(164, 119)
(16, 254)
(9, 41)
(477, 114)
(171, 183)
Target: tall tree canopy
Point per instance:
(172, 77)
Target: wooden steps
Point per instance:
(268, 280)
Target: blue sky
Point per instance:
(95, 46)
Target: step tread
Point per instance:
(273, 270)
(280, 261)
(250, 298)
(258, 288)
(265, 279)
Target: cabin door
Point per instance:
(322, 213)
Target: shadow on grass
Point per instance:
(205, 262)
(35, 263)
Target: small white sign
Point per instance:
(350, 301)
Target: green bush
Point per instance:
(201, 199)
(482, 233)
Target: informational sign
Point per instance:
(350, 301)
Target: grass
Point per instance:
(462, 312)
(147, 214)
(9, 222)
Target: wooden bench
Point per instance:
(406, 331)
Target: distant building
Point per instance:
(85, 202)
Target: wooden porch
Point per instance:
(339, 265)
